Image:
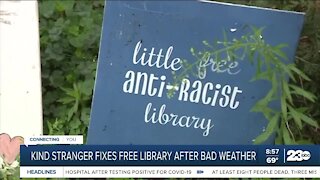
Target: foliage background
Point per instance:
(70, 34)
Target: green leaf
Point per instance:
(286, 136)
(299, 72)
(274, 83)
(298, 116)
(86, 22)
(257, 107)
(73, 110)
(286, 69)
(262, 105)
(206, 43)
(302, 92)
(265, 75)
(284, 107)
(295, 116)
(286, 91)
(225, 38)
(66, 5)
(251, 54)
(49, 125)
(74, 30)
(308, 120)
(75, 123)
(66, 100)
(279, 139)
(280, 46)
(302, 109)
(272, 126)
(68, 91)
(280, 53)
(86, 87)
(257, 31)
(47, 8)
(192, 51)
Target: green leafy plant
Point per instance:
(9, 171)
(307, 59)
(270, 66)
(70, 34)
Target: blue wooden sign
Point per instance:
(151, 88)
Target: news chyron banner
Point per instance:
(164, 161)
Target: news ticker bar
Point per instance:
(170, 172)
(169, 155)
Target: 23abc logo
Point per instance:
(298, 155)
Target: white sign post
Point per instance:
(20, 73)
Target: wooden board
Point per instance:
(20, 74)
